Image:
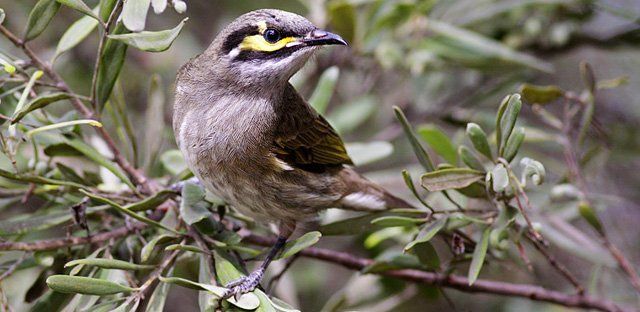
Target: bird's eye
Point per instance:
(271, 35)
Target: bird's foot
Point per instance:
(244, 284)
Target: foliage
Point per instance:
(100, 211)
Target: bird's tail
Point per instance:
(364, 195)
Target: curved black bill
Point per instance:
(322, 37)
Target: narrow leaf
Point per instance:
(151, 41)
(134, 14)
(77, 32)
(514, 143)
(478, 256)
(39, 18)
(439, 142)
(85, 285)
(293, 247)
(427, 232)
(98, 158)
(391, 221)
(147, 250)
(324, 90)
(360, 224)
(409, 182)
(589, 214)
(80, 6)
(151, 202)
(470, 159)
(479, 140)
(420, 152)
(109, 66)
(508, 120)
(533, 94)
(216, 290)
(109, 264)
(39, 102)
(454, 178)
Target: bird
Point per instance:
(253, 140)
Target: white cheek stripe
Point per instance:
(363, 200)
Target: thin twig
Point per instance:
(557, 265)
(14, 266)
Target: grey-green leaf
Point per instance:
(469, 158)
(134, 14)
(391, 221)
(478, 256)
(193, 207)
(39, 102)
(360, 224)
(85, 285)
(500, 178)
(293, 247)
(427, 232)
(508, 120)
(439, 142)
(420, 152)
(479, 139)
(111, 61)
(324, 90)
(39, 18)
(80, 6)
(513, 143)
(147, 250)
(454, 178)
(151, 41)
(109, 264)
(151, 202)
(77, 32)
(216, 290)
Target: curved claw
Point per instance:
(244, 284)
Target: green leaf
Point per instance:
(612, 83)
(508, 120)
(80, 6)
(151, 41)
(216, 290)
(470, 159)
(85, 285)
(29, 223)
(98, 158)
(500, 178)
(109, 66)
(479, 254)
(173, 162)
(479, 140)
(71, 175)
(427, 232)
(193, 207)
(129, 212)
(588, 76)
(228, 270)
(37, 179)
(360, 224)
(134, 14)
(349, 116)
(391, 221)
(369, 152)
(342, 18)
(40, 101)
(454, 178)
(151, 202)
(147, 250)
(394, 261)
(39, 17)
(421, 154)
(106, 7)
(77, 32)
(589, 214)
(109, 264)
(293, 247)
(427, 255)
(514, 143)
(439, 142)
(534, 94)
(409, 182)
(159, 296)
(324, 90)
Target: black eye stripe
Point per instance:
(236, 37)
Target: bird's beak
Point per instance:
(322, 37)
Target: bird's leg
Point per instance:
(250, 282)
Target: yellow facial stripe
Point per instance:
(258, 43)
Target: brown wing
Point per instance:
(312, 146)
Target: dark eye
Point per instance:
(271, 35)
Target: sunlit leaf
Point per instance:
(151, 41)
(39, 18)
(479, 254)
(439, 142)
(293, 247)
(134, 14)
(454, 178)
(85, 285)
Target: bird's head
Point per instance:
(267, 45)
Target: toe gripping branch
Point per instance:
(248, 283)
